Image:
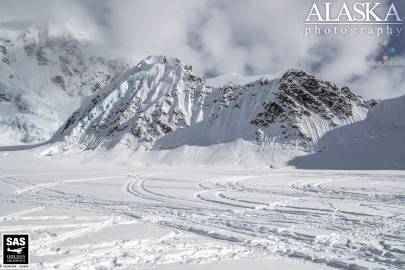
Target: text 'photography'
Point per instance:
(208, 134)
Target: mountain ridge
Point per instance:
(161, 103)
(45, 71)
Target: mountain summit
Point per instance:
(45, 71)
(162, 103)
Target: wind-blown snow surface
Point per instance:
(92, 214)
(378, 142)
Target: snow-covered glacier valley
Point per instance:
(110, 165)
(100, 215)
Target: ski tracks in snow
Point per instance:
(336, 219)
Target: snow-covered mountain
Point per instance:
(45, 70)
(162, 103)
(375, 143)
(237, 79)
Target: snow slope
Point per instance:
(161, 104)
(237, 79)
(375, 143)
(45, 70)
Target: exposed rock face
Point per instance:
(4, 97)
(150, 100)
(376, 143)
(75, 72)
(162, 103)
(44, 73)
(300, 95)
(159, 103)
(316, 95)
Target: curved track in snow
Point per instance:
(343, 220)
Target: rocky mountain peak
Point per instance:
(170, 64)
(316, 95)
(302, 96)
(149, 100)
(45, 72)
(161, 103)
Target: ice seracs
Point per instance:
(45, 71)
(162, 103)
(155, 97)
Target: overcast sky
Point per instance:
(225, 36)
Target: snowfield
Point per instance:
(92, 214)
(153, 166)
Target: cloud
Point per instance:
(224, 36)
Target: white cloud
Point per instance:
(223, 36)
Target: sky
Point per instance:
(228, 36)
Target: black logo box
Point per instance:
(15, 249)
